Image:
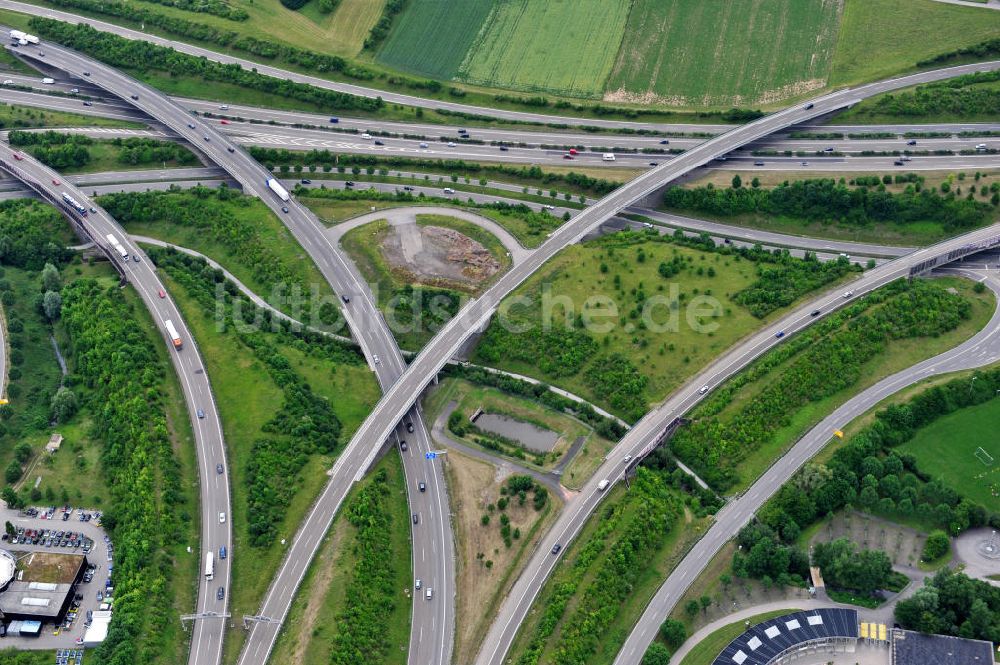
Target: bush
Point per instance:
(937, 546)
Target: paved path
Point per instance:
(408, 215)
(992, 4)
(977, 565)
(439, 432)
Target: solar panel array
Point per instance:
(759, 644)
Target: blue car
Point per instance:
(222, 552)
(780, 334)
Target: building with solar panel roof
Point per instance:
(794, 635)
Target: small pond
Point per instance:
(529, 435)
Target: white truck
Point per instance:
(608, 157)
(175, 339)
(113, 241)
(209, 565)
(277, 189)
(23, 38)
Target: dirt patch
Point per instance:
(302, 631)
(902, 543)
(437, 256)
(474, 485)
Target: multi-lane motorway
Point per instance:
(979, 350)
(433, 622)
(216, 529)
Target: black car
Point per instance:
(407, 188)
(377, 142)
(349, 183)
(88, 103)
(218, 468)
(912, 142)
(422, 485)
(402, 446)
(815, 312)
(504, 148)
(86, 73)
(897, 163)
(809, 106)
(556, 548)
(346, 299)
(758, 163)
(135, 97)
(231, 149)
(409, 427)
(664, 142)
(221, 593)
(306, 181)
(190, 125)
(415, 518)
(284, 209)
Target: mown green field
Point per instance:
(562, 46)
(431, 37)
(947, 448)
(695, 53)
(881, 37)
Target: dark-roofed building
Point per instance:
(44, 586)
(912, 648)
(786, 637)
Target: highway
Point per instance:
(397, 401)
(981, 349)
(431, 631)
(216, 526)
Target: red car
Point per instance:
(224, 122)
(55, 182)
(18, 156)
(573, 151)
(162, 294)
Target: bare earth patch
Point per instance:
(437, 256)
(473, 485)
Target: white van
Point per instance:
(981, 146)
(48, 81)
(428, 593)
(603, 485)
(608, 156)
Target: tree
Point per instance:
(63, 404)
(705, 602)
(50, 278)
(52, 305)
(737, 181)
(10, 497)
(691, 608)
(673, 632)
(13, 472)
(936, 546)
(9, 527)
(656, 654)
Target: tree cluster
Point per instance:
(116, 361)
(826, 200)
(835, 359)
(29, 234)
(381, 28)
(144, 56)
(951, 603)
(844, 567)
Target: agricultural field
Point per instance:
(948, 449)
(561, 46)
(693, 53)
(431, 38)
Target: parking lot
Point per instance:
(47, 531)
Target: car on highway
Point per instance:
(306, 181)
(402, 446)
(702, 390)
(779, 334)
(349, 183)
(376, 360)
(201, 414)
(758, 163)
(222, 552)
(135, 97)
(55, 181)
(809, 105)
(415, 518)
(448, 190)
(230, 149)
(346, 299)
(451, 144)
(161, 293)
(626, 459)
(378, 142)
(8, 82)
(135, 257)
(556, 548)
(815, 312)
(898, 162)
(224, 107)
(74, 90)
(848, 294)
(549, 207)
(504, 148)
(18, 156)
(573, 151)
(407, 188)
(223, 122)
(423, 145)
(221, 593)
(334, 120)
(422, 486)
(428, 593)
(190, 125)
(805, 163)
(284, 209)
(664, 142)
(88, 103)
(654, 163)
(827, 149)
(86, 73)
(366, 136)
(222, 518)
(567, 156)
(219, 469)
(409, 427)
(206, 138)
(463, 131)
(912, 142)
(418, 584)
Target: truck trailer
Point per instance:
(172, 334)
(278, 189)
(23, 37)
(117, 246)
(209, 565)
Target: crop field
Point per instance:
(561, 46)
(696, 53)
(947, 450)
(431, 37)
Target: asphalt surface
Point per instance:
(432, 630)
(981, 349)
(398, 400)
(207, 635)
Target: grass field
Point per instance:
(308, 632)
(248, 398)
(431, 38)
(666, 358)
(710, 647)
(563, 46)
(879, 38)
(946, 449)
(12, 117)
(695, 53)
